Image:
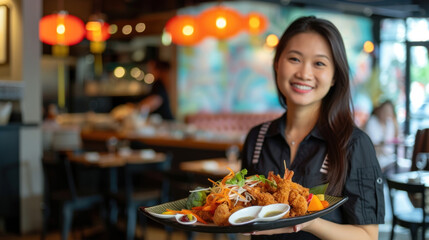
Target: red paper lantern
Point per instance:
(61, 29)
(184, 30)
(221, 22)
(97, 31)
(256, 23)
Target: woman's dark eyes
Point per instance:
(294, 59)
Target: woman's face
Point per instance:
(305, 70)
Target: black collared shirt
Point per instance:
(364, 183)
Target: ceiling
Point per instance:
(130, 9)
(156, 13)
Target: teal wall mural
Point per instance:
(236, 75)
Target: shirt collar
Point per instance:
(278, 128)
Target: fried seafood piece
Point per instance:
(268, 187)
(238, 206)
(221, 215)
(302, 190)
(205, 215)
(261, 198)
(290, 193)
(298, 204)
(281, 195)
(283, 190)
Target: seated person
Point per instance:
(382, 128)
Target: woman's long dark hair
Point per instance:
(336, 121)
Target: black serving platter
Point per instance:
(155, 212)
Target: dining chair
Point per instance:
(415, 218)
(60, 191)
(144, 184)
(421, 144)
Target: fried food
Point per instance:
(221, 215)
(298, 203)
(261, 198)
(286, 192)
(226, 198)
(205, 215)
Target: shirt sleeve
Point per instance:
(364, 184)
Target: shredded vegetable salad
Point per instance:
(231, 189)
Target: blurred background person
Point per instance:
(158, 101)
(382, 128)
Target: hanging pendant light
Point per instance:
(61, 29)
(221, 22)
(97, 31)
(184, 30)
(256, 23)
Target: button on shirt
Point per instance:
(364, 182)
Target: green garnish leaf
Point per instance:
(263, 179)
(320, 189)
(238, 179)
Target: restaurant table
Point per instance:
(215, 167)
(128, 160)
(163, 140)
(414, 185)
(411, 177)
(182, 147)
(106, 160)
(113, 161)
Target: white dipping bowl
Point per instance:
(273, 212)
(245, 215)
(179, 216)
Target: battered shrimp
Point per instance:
(298, 204)
(221, 215)
(261, 198)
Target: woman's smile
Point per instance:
(301, 88)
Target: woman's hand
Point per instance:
(324, 229)
(296, 228)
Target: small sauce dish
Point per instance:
(184, 219)
(259, 213)
(273, 212)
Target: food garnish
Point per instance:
(186, 212)
(315, 204)
(236, 191)
(168, 213)
(187, 218)
(196, 198)
(321, 197)
(325, 203)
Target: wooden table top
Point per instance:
(217, 167)
(106, 160)
(162, 140)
